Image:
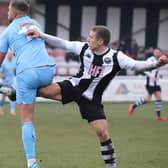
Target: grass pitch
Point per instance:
(64, 140)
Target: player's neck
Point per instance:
(100, 50)
(20, 16)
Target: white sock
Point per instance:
(31, 161)
(111, 166)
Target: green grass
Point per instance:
(64, 140)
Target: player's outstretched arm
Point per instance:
(163, 60)
(129, 63)
(151, 65)
(49, 39)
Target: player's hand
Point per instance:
(33, 33)
(163, 60)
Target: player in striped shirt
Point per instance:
(99, 65)
(152, 86)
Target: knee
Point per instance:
(102, 134)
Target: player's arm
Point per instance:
(72, 46)
(2, 56)
(148, 65)
(126, 62)
(49, 39)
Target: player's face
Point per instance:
(157, 53)
(94, 42)
(11, 13)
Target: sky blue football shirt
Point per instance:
(28, 52)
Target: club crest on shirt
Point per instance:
(107, 60)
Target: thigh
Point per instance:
(28, 81)
(51, 91)
(26, 89)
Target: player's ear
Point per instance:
(100, 41)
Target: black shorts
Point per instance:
(90, 110)
(152, 89)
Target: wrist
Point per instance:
(41, 35)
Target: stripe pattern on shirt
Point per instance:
(96, 71)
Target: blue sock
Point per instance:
(29, 138)
(12, 106)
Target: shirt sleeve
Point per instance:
(72, 46)
(126, 62)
